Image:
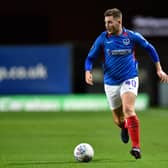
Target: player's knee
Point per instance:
(128, 110)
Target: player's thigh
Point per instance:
(113, 96)
(128, 99)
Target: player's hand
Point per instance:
(163, 76)
(88, 77)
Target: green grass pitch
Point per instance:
(47, 140)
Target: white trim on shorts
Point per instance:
(114, 92)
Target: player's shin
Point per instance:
(133, 126)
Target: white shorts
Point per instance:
(114, 92)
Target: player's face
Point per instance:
(112, 25)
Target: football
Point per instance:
(83, 152)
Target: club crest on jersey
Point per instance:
(126, 41)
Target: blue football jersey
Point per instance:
(119, 63)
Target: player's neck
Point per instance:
(119, 31)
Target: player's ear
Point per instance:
(119, 21)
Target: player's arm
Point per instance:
(162, 75)
(154, 55)
(92, 55)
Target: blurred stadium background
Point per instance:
(44, 44)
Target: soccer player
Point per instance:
(121, 74)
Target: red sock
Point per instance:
(134, 130)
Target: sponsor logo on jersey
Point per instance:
(119, 52)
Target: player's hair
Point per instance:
(116, 13)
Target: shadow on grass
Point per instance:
(101, 161)
(112, 161)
